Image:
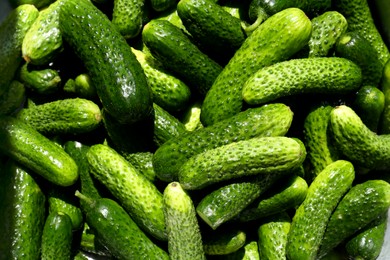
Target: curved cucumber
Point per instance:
(127, 17)
(224, 241)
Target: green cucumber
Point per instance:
(277, 39)
(43, 41)
(322, 75)
(184, 237)
(127, 17)
(81, 86)
(255, 156)
(115, 72)
(162, 5)
(224, 242)
(357, 142)
(12, 99)
(141, 199)
(37, 3)
(174, 49)
(65, 116)
(381, 9)
(172, 16)
(118, 232)
(143, 162)
(191, 116)
(57, 237)
(24, 144)
(351, 215)
(384, 124)
(269, 120)
(12, 31)
(311, 218)
(22, 211)
(250, 251)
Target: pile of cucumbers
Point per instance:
(194, 129)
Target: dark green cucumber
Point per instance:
(321, 75)
(353, 46)
(381, 9)
(12, 99)
(127, 17)
(172, 16)
(24, 144)
(311, 218)
(174, 49)
(357, 142)
(12, 31)
(81, 86)
(57, 237)
(115, 72)
(140, 197)
(43, 41)
(64, 116)
(277, 39)
(272, 236)
(184, 237)
(224, 242)
(118, 232)
(162, 5)
(250, 251)
(269, 120)
(255, 156)
(384, 125)
(351, 215)
(22, 211)
(143, 162)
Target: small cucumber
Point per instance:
(65, 116)
(250, 251)
(312, 216)
(184, 237)
(384, 125)
(81, 86)
(191, 116)
(12, 99)
(224, 242)
(322, 75)
(127, 17)
(269, 120)
(162, 5)
(351, 215)
(57, 237)
(26, 145)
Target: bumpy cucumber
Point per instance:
(224, 242)
(184, 237)
(191, 116)
(143, 162)
(384, 125)
(277, 39)
(351, 214)
(57, 237)
(12, 31)
(115, 72)
(311, 218)
(179, 55)
(127, 17)
(357, 142)
(22, 210)
(269, 120)
(321, 75)
(36, 152)
(255, 156)
(11, 100)
(64, 116)
(141, 199)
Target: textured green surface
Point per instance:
(312, 7)
(42, 81)
(12, 98)
(384, 125)
(224, 241)
(127, 17)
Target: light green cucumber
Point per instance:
(81, 86)
(250, 251)
(127, 17)
(191, 116)
(224, 242)
(12, 99)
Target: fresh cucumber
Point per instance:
(381, 10)
(224, 242)
(162, 5)
(384, 125)
(191, 116)
(312, 216)
(81, 86)
(127, 17)
(24, 144)
(269, 120)
(115, 72)
(184, 237)
(12, 99)
(250, 251)
(143, 162)
(37, 3)
(277, 39)
(322, 75)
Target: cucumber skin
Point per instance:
(384, 124)
(33, 150)
(162, 5)
(184, 237)
(115, 72)
(224, 242)
(322, 75)
(311, 7)
(22, 210)
(140, 198)
(269, 120)
(12, 99)
(42, 81)
(310, 219)
(12, 31)
(289, 28)
(127, 17)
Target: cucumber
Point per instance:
(143, 162)
(12, 31)
(353, 46)
(12, 99)
(277, 39)
(43, 41)
(81, 86)
(65, 116)
(322, 75)
(191, 116)
(172, 16)
(384, 124)
(118, 232)
(127, 17)
(173, 48)
(269, 120)
(272, 236)
(255, 156)
(357, 142)
(250, 251)
(115, 72)
(22, 210)
(162, 5)
(381, 10)
(312, 216)
(351, 215)
(27, 146)
(140, 198)
(224, 242)
(184, 237)
(37, 3)
(57, 237)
